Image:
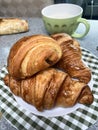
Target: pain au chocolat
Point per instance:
(32, 54)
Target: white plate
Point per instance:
(59, 111)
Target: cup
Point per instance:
(64, 18)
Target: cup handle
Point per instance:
(87, 28)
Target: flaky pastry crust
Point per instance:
(32, 54)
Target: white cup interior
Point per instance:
(62, 11)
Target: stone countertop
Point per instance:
(89, 42)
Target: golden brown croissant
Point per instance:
(32, 54)
(50, 88)
(71, 60)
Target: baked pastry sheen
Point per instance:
(32, 74)
(32, 54)
(50, 88)
(71, 60)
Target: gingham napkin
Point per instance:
(80, 119)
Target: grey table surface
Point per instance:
(36, 26)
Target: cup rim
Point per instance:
(59, 4)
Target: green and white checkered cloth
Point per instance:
(80, 119)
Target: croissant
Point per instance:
(50, 88)
(71, 60)
(32, 54)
